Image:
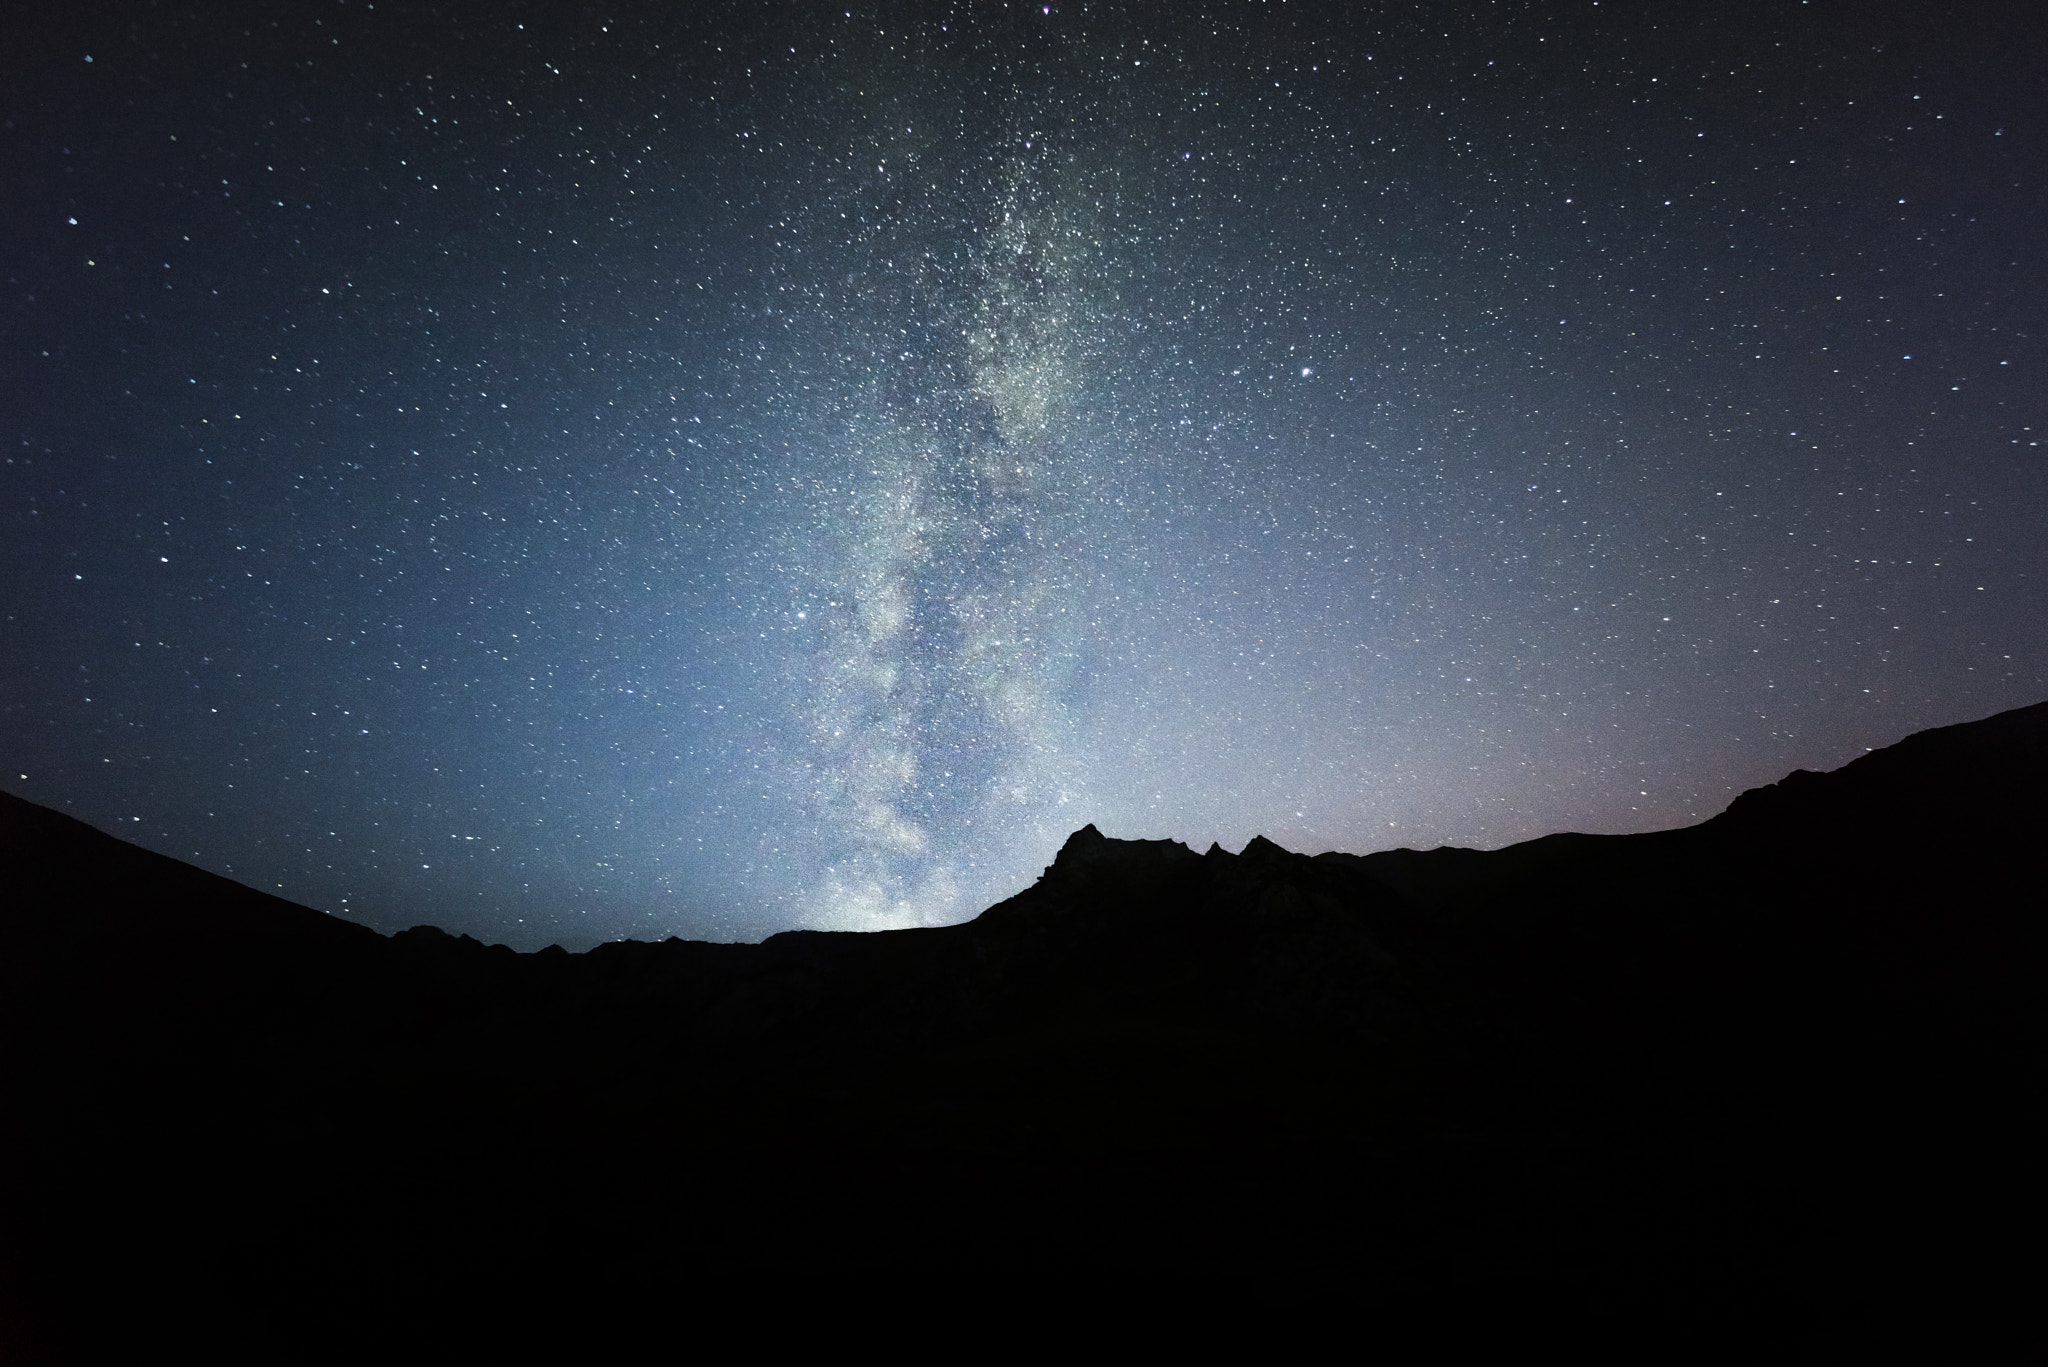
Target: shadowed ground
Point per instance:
(1772, 1081)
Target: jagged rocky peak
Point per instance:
(1261, 850)
(1081, 842)
(1091, 860)
(1263, 876)
(1089, 846)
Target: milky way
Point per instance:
(941, 573)
(569, 477)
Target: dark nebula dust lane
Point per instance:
(566, 477)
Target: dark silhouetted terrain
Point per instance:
(1774, 1080)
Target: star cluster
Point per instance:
(696, 470)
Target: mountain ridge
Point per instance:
(1541, 1081)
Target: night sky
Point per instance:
(569, 473)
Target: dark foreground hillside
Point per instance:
(1770, 1083)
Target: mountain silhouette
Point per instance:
(1771, 1080)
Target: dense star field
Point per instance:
(656, 470)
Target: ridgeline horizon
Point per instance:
(1772, 1078)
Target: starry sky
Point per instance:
(567, 472)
